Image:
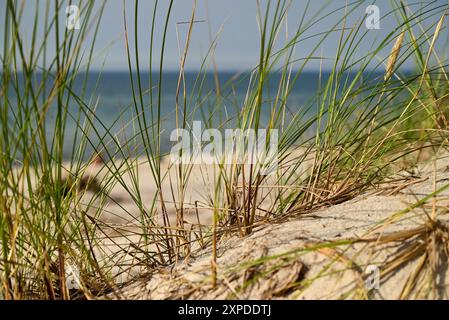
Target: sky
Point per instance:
(233, 23)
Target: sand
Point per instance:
(341, 271)
(276, 257)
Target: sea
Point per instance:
(103, 106)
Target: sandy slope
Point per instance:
(337, 272)
(276, 257)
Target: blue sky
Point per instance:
(234, 22)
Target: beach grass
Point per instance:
(354, 134)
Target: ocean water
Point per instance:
(109, 112)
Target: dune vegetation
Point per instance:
(370, 120)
